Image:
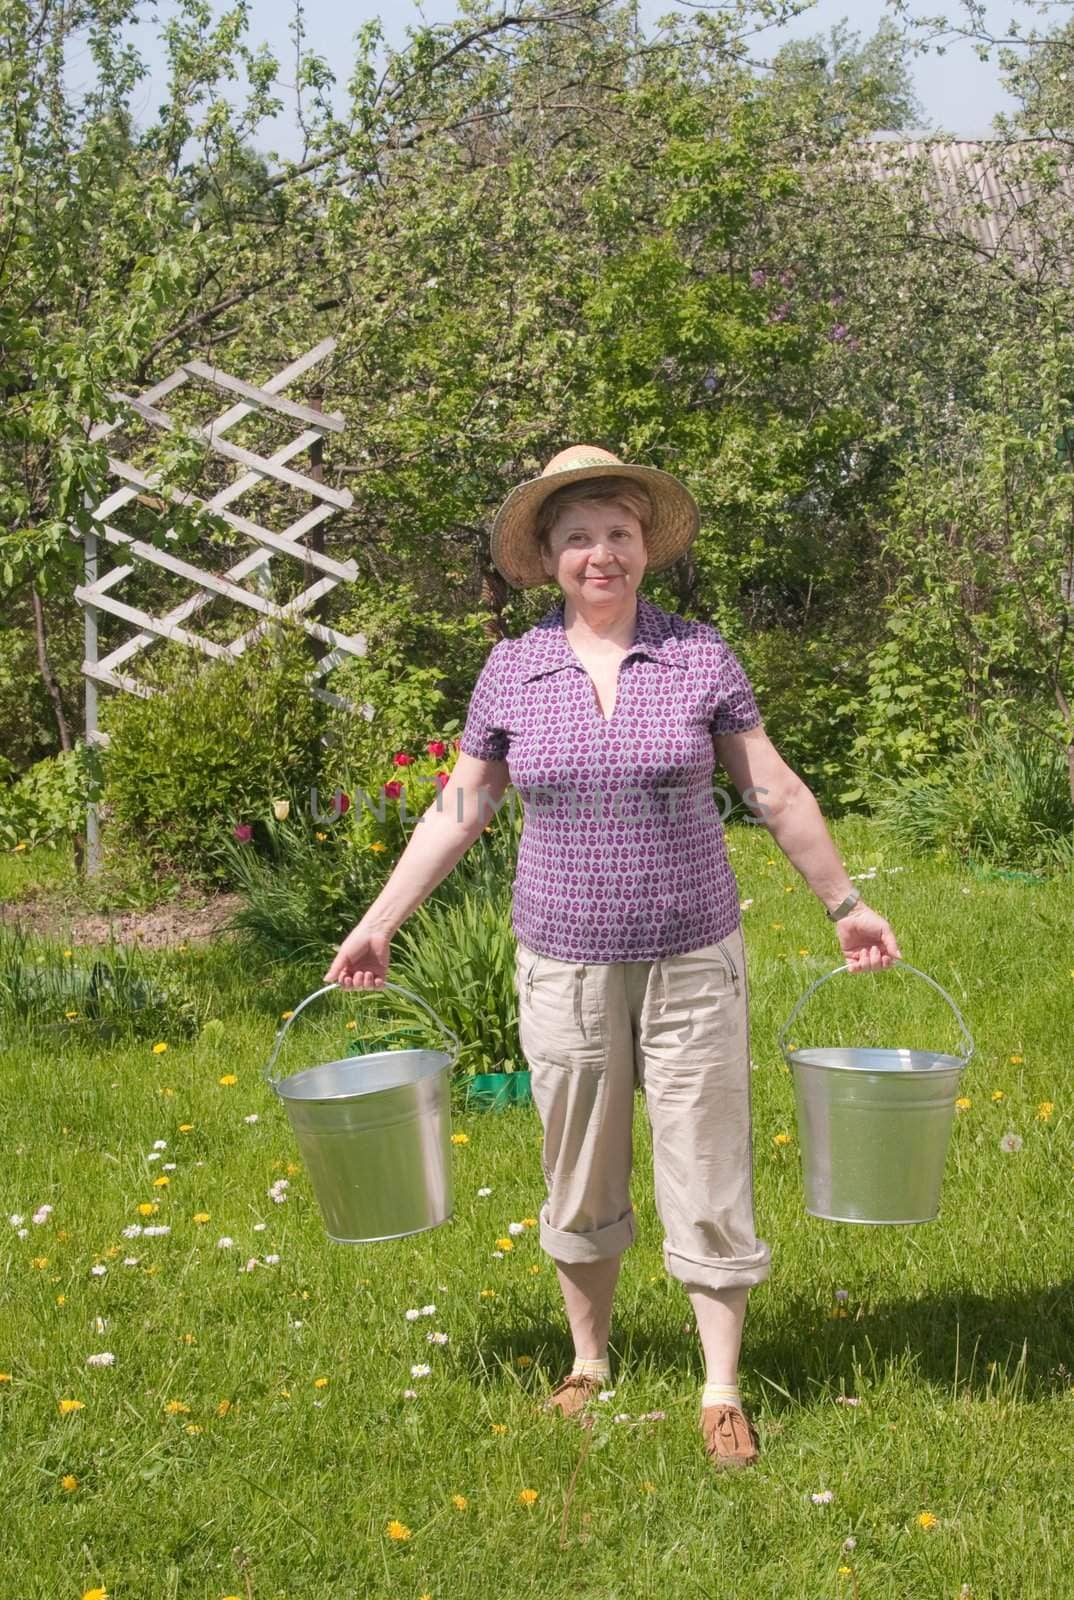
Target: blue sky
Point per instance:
(960, 94)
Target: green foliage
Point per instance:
(119, 994)
(49, 800)
(1003, 798)
(461, 959)
(210, 750)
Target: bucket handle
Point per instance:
(966, 1039)
(316, 996)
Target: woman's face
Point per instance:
(596, 553)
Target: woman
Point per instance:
(608, 716)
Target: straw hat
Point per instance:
(514, 532)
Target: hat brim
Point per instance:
(514, 549)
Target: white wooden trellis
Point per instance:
(96, 592)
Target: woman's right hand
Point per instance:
(361, 962)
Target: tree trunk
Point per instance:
(46, 670)
(494, 593)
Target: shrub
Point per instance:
(1003, 799)
(213, 747)
(49, 800)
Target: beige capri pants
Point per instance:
(678, 1028)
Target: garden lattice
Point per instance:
(97, 592)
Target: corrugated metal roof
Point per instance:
(985, 191)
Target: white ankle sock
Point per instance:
(721, 1394)
(598, 1368)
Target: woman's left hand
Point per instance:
(867, 940)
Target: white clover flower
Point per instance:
(105, 1359)
(154, 1155)
(410, 1394)
(23, 1233)
(497, 1255)
(225, 1243)
(420, 1369)
(484, 1192)
(100, 1324)
(428, 1311)
(130, 1261)
(250, 1265)
(15, 1220)
(412, 1315)
(823, 1498)
(847, 1400)
(160, 1144)
(169, 1166)
(516, 1228)
(850, 1543)
(157, 1231)
(272, 1261)
(98, 1271)
(259, 1227)
(253, 1117)
(437, 1338)
(41, 1215)
(621, 1416)
(842, 1295)
(606, 1394)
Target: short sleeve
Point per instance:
(735, 707)
(484, 735)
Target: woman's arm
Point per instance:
(439, 840)
(788, 808)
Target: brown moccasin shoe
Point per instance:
(730, 1439)
(571, 1396)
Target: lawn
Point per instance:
(260, 1432)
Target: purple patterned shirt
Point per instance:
(622, 855)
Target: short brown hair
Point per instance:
(626, 492)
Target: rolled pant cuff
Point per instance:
(576, 1249)
(741, 1272)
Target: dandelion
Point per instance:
(1011, 1143)
(499, 1428)
(505, 1245)
(5, 1377)
(95, 1594)
(963, 1103)
(823, 1497)
(162, 1182)
(780, 1139)
(397, 1530)
(487, 1294)
(201, 1217)
(67, 1406)
(926, 1520)
(377, 846)
(529, 1222)
(534, 1271)
(420, 1369)
(69, 1483)
(998, 1095)
(227, 1080)
(1044, 1110)
(523, 1361)
(460, 1502)
(527, 1497)
(41, 1262)
(104, 1359)
(460, 1138)
(320, 1383)
(186, 1127)
(175, 1408)
(776, 927)
(159, 1048)
(70, 1015)
(844, 1572)
(1016, 1061)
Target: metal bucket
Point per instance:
(874, 1124)
(374, 1132)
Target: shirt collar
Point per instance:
(547, 649)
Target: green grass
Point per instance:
(958, 1337)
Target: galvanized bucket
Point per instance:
(874, 1124)
(374, 1132)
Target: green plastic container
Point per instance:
(496, 1091)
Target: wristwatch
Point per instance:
(844, 906)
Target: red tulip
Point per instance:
(437, 748)
(341, 802)
(401, 758)
(441, 778)
(243, 832)
(393, 790)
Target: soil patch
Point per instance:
(160, 928)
